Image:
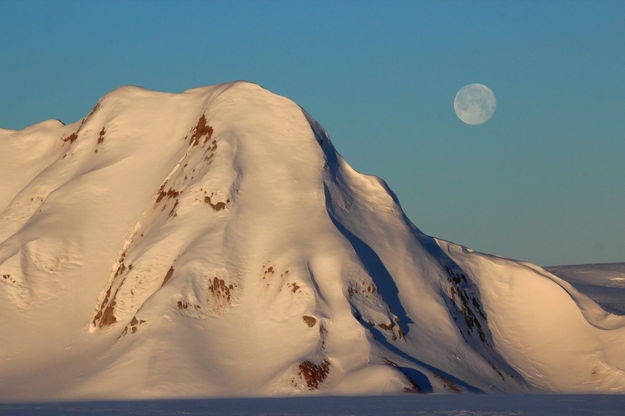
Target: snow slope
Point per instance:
(214, 243)
(604, 283)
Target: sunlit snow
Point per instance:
(213, 243)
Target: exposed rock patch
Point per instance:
(71, 138)
(132, 327)
(294, 287)
(168, 276)
(268, 271)
(217, 206)
(200, 130)
(466, 304)
(314, 374)
(309, 320)
(221, 294)
(105, 315)
(170, 193)
(101, 136)
(183, 304)
(108, 315)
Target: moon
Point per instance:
(475, 104)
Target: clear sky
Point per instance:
(543, 180)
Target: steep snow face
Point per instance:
(214, 243)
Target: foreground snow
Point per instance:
(214, 243)
(422, 405)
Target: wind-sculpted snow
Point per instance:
(604, 283)
(214, 243)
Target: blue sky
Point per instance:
(543, 180)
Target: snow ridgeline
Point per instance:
(214, 243)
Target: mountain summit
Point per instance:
(214, 243)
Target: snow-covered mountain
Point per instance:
(214, 243)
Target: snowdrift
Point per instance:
(214, 243)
